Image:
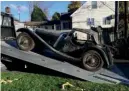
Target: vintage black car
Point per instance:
(76, 46)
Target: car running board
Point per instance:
(110, 76)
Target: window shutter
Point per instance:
(104, 21)
(92, 21)
(88, 21)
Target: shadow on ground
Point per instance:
(32, 68)
(124, 67)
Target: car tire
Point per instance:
(92, 61)
(25, 42)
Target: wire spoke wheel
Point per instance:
(92, 61)
(25, 42)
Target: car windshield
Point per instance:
(6, 21)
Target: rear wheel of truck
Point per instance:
(92, 61)
(25, 42)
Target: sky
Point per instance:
(53, 6)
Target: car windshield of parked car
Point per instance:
(6, 21)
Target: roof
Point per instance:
(52, 22)
(86, 6)
(79, 9)
(66, 16)
(34, 23)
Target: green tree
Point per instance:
(121, 6)
(37, 14)
(56, 16)
(74, 5)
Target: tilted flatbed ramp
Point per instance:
(101, 76)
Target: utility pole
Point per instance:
(18, 8)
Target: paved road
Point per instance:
(124, 67)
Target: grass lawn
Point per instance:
(40, 82)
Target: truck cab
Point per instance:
(7, 26)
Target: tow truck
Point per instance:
(11, 52)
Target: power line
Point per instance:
(107, 6)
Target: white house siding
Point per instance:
(79, 17)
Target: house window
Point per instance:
(106, 21)
(90, 21)
(94, 4)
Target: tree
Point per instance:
(121, 6)
(123, 17)
(56, 16)
(74, 5)
(37, 14)
(45, 6)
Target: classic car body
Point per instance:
(75, 46)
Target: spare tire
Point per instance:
(25, 42)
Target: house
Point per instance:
(33, 24)
(52, 25)
(65, 23)
(94, 13)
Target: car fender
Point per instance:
(102, 53)
(28, 31)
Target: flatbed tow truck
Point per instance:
(8, 52)
(101, 76)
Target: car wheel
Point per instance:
(92, 61)
(25, 42)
